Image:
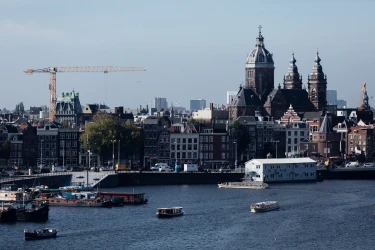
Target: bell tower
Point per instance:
(259, 69)
(317, 85)
(292, 79)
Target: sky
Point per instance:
(191, 49)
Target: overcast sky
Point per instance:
(191, 49)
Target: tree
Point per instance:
(17, 109)
(190, 120)
(98, 136)
(242, 137)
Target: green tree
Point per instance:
(190, 120)
(17, 109)
(242, 137)
(98, 136)
(5, 150)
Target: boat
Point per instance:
(119, 198)
(7, 214)
(169, 212)
(10, 194)
(32, 212)
(40, 234)
(82, 199)
(264, 206)
(244, 184)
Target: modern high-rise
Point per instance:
(197, 104)
(332, 97)
(161, 103)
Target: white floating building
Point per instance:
(281, 169)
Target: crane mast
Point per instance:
(52, 81)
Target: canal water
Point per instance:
(325, 215)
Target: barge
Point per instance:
(119, 198)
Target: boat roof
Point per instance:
(170, 208)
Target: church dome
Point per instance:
(259, 54)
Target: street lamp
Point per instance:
(118, 153)
(113, 153)
(235, 155)
(87, 173)
(41, 154)
(63, 142)
(276, 147)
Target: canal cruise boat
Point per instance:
(40, 234)
(169, 212)
(264, 206)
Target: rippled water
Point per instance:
(324, 215)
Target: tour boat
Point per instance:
(169, 212)
(244, 184)
(40, 234)
(119, 198)
(264, 206)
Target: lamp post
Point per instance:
(118, 153)
(276, 147)
(63, 142)
(113, 154)
(41, 154)
(87, 173)
(235, 155)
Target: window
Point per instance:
(289, 133)
(195, 154)
(189, 147)
(222, 156)
(172, 147)
(223, 138)
(211, 139)
(74, 152)
(183, 146)
(295, 133)
(223, 147)
(302, 133)
(74, 144)
(200, 139)
(211, 147)
(74, 136)
(200, 147)
(172, 140)
(205, 147)
(295, 141)
(195, 147)
(195, 140)
(62, 136)
(67, 135)
(178, 140)
(206, 139)
(313, 147)
(211, 156)
(289, 141)
(183, 155)
(184, 140)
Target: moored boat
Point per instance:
(264, 206)
(244, 184)
(169, 212)
(33, 211)
(40, 234)
(119, 198)
(8, 214)
(83, 199)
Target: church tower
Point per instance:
(317, 85)
(259, 69)
(292, 79)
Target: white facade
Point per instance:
(184, 147)
(281, 169)
(295, 133)
(231, 96)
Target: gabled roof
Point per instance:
(246, 97)
(298, 98)
(326, 126)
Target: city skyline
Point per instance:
(185, 49)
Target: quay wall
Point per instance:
(158, 178)
(52, 181)
(347, 174)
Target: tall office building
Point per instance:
(161, 103)
(231, 96)
(197, 104)
(332, 97)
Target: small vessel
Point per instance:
(169, 212)
(244, 184)
(119, 198)
(33, 211)
(40, 234)
(7, 214)
(264, 206)
(82, 199)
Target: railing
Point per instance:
(33, 176)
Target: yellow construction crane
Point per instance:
(52, 80)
